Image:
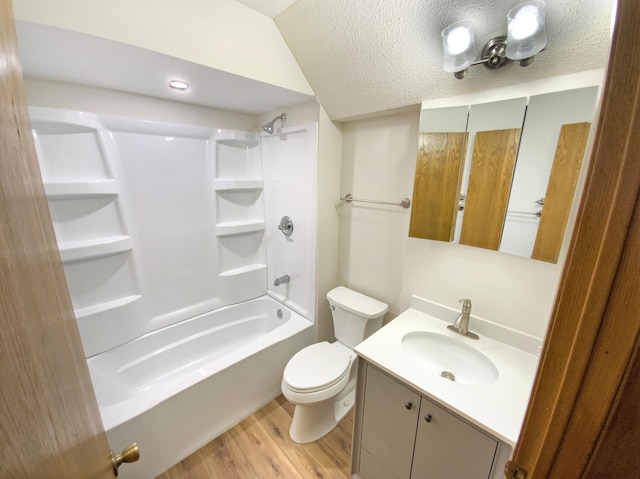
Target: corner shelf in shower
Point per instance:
(106, 306)
(245, 269)
(237, 184)
(239, 227)
(80, 189)
(81, 250)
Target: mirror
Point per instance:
(502, 175)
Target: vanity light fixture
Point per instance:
(526, 36)
(179, 85)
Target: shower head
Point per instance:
(268, 127)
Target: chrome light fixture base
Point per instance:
(526, 36)
(494, 56)
(494, 53)
(461, 74)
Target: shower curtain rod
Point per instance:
(404, 202)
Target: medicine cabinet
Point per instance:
(502, 175)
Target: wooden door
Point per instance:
(436, 189)
(49, 421)
(567, 163)
(578, 416)
(492, 164)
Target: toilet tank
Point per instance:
(355, 316)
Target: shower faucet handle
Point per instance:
(286, 226)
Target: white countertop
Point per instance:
(497, 408)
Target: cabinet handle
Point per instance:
(408, 405)
(428, 417)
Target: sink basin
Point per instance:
(450, 358)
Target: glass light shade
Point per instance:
(526, 33)
(459, 46)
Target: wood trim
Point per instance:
(567, 163)
(49, 420)
(566, 413)
(436, 188)
(492, 163)
(621, 431)
(609, 372)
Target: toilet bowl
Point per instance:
(320, 379)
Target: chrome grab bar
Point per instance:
(404, 202)
(537, 213)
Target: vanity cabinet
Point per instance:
(447, 447)
(400, 434)
(389, 423)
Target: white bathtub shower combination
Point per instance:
(168, 234)
(176, 389)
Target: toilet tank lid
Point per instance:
(357, 303)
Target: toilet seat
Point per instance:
(318, 367)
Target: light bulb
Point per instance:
(458, 40)
(459, 46)
(525, 22)
(179, 85)
(526, 33)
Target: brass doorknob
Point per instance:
(131, 453)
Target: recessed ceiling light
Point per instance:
(179, 85)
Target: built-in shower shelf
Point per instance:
(245, 269)
(80, 189)
(237, 185)
(106, 306)
(239, 227)
(80, 250)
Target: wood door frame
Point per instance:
(49, 420)
(593, 336)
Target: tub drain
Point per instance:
(448, 375)
(279, 313)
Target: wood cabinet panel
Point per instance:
(492, 163)
(436, 185)
(389, 422)
(561, 188)
(448, 448)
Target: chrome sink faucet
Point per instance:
(461, 324)
(281, 280)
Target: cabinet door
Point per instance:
(389, 422)
(449, 448)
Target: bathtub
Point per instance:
(174, 390)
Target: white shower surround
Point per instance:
(158, 223)
(290, 167)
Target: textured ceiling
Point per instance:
(368, 56)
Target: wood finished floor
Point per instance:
(260, 448)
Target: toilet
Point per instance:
(321, 379)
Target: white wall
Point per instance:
(101, 101)
(221, 34)
(378, 158)
(378, 259)
(329, 169)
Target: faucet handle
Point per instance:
(466, 303)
